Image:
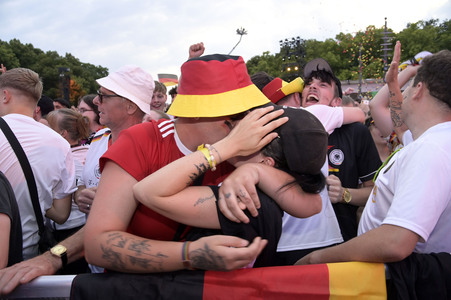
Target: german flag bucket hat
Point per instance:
(214, 86)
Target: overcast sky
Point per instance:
(155, 35)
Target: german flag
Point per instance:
(351, 280)
(168, 79)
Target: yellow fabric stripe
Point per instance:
(216, 105)
(357, 280)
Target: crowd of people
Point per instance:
(238, 171)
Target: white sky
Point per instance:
(155, 34)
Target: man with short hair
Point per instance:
(48, 153)
(159, 97)
(353, 156)
(409, 209)
(173, 140)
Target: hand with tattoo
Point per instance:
(238, 192)
(224, 253)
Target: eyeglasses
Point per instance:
(101, 96)
(83, 110)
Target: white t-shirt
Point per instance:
(321, 229)
(413, 191)
(76, 217)
(91, 172)
(53, 169)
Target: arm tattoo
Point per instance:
(137, 253)
(204, 199)
(395, 110)
(207, 259)
(395, 113)
(201, 168)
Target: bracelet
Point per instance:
(185, 256)
(208, 155)
(213, 160)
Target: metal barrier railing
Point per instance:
(44, 287)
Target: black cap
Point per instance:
(304, 140)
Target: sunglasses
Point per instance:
(101, 96)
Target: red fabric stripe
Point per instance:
(163, 80)
(213, 77)
(289, 282)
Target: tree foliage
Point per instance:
(83, 75)
(360, 53)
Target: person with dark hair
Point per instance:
(88, 109)
(301, 236)
(173, 93)
(45, 105)
(409, 209)
(303, 133)
(61, 103)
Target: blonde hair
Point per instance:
(70, 120)
(23, 80)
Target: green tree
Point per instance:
(417, 37)
(7, 56)
(46, 64)
(269, 63)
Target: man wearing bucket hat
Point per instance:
(123, 98)
(122, 235)
(143, 149)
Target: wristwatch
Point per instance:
(346, 197)
(60, 251)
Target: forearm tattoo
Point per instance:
(204, 199)
(137, 253)
(201, 168)
(395, 110)
(207, 259)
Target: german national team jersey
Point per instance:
(353, 158)
(143, 149)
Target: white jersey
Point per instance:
(413, 191)
(76, 217)
(321, 229)
(91, 172)
(53, 169)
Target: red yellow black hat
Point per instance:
(277, 88)
(214, 86)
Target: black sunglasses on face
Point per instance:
(101, 96)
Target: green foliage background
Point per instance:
(342, 53)
(15, 54)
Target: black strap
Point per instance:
(28, 172)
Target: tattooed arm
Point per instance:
(196, 206)
(107, 244)
(383, 108)
(395, 95)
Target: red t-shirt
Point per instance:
(141, 150)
